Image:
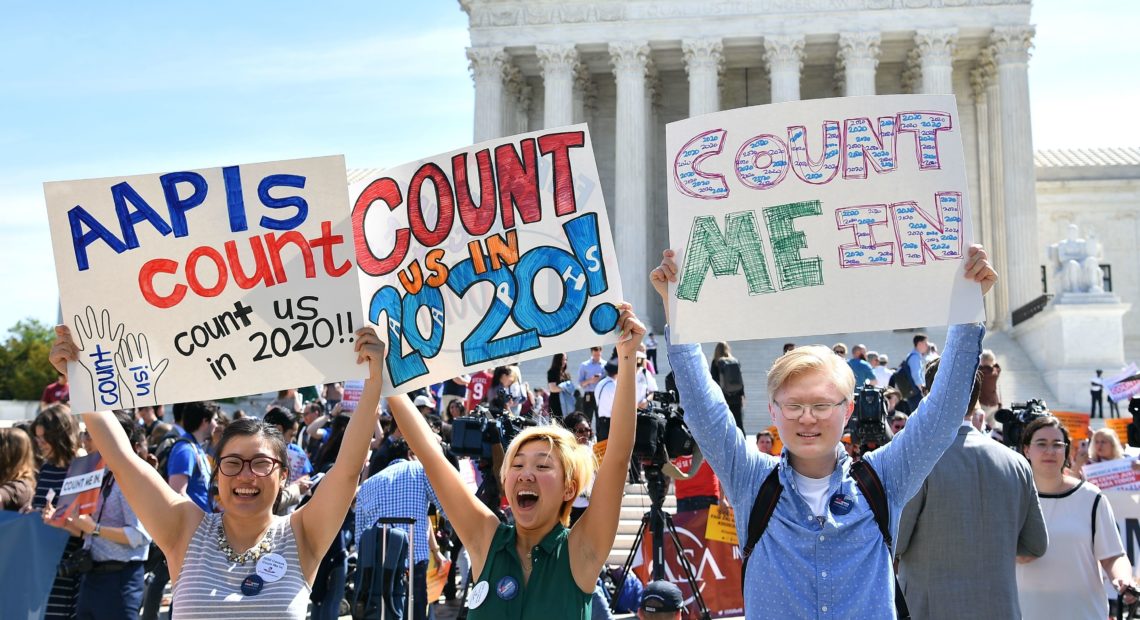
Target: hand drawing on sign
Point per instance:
(97, 346)
(137, 375)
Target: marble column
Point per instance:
(784, 56)
(559, 66)
(1011, 51)
(585, 94)
(704, 62)
(996, 192)
(983, 208)
(517, 96)
(859, 57)
(631, 216)
(487, 65)
(936, 55)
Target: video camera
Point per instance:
(868, 424)
(661, 430)
(1017, 417)
(475, 435)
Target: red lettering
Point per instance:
(146, 283)
(192, 271)
(262, 266)
(326, 242)
(445, 203)
(387, 191)
(276, 244)
(518, 182)
(558, 145)
(476, 220)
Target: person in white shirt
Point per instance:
(604, 395)
(878, 363)
(646, 383)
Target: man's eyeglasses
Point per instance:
(819, 411)
(261, 466)
(1050, 446)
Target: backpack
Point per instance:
(380, 587)
(164, 449)
(731, 381)
(869, 485)
(903, 381)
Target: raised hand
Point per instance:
(369, 349)
(137, 375)
(663, 274)
(632, 331)
(979, 269)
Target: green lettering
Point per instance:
(793, 271)
(724, 253)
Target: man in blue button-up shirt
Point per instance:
(822, 555)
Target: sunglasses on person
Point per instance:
(261, 466)
(583, 431)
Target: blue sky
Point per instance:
(115, 88)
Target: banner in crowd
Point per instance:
(34, 550)
(796, 218)
(1114, 475)
(492, 254)
(716, 564)
(1120, 426)
(79, 494)
(203, 284)
(1076, 423)
(1126, 509)
(1124, 384)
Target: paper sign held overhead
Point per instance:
(492, 254)
(791, 219)
(204, 284)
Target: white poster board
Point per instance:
(204, 284)
(819, 216)
(1126, 509)
(492, 254)
(1114, 475)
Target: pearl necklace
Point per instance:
(251, 554)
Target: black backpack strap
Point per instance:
(872, 489)
(762, 509)
(1096, 504)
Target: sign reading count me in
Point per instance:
(819, 216)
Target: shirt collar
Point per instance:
(548, 544)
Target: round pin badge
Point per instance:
(478, 595)
(252, 585)
(271, 567)
(841, 504)
(507, 588)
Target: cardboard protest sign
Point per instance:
(1115, 475)
(721, 525)
(788, 219)
(1076, 423)
(1120, 427)
(1124, 384)
(208, 283)
(79, 494)
(716, 565)
(352, 393)
(492, 254)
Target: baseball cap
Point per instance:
(661, 596)
(423, 400)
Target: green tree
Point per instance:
(24, 367)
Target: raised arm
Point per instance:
(593, 535)
(474, 523)
(169, 517)
(321, 518)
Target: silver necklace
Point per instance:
(251, 554)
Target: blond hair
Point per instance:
(578, 461)
(1117, 449)
(803, 360)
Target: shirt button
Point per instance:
(823, 574)
(824, 608)
(821, 539)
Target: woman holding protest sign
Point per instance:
(537, 567)
(1083, 539)
(244, 560)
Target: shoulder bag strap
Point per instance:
(762, 509)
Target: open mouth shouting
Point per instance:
(526, 499)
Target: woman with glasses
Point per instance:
(56, 436)
(243, 561)
(1083, 539)
(584, 435)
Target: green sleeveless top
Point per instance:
(550, 594)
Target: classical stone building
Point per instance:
(628, 68)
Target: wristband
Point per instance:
(95, 532)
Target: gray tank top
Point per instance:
(210, 586)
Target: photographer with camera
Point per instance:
(536, 567)
(825, 554)
(1065, 582)
(980, 493)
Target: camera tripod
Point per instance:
(659, 522)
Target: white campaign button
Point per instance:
(271, 567)
(478, 595)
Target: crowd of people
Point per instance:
(261, 514)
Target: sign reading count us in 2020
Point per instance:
(819, 216)
(495, 253)
(206, 283)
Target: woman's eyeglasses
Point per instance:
(583, 431)
(261, 466)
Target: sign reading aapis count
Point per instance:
(819, 216)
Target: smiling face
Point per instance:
(536, 485)
(246, 493)
(809, 439)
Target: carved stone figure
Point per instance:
(1076, 263)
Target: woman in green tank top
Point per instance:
(537, 566)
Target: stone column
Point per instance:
(985, 209)
(859, 57)
(631, 221)
(704, 62)
(936, 54)
(559, 66)
(517, 101)
(487, 65)
(996, 191)
(585, 94)
(1018, 176)
(784, 56)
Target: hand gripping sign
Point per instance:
(496, 253)
(203, 284)
(796, 218)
